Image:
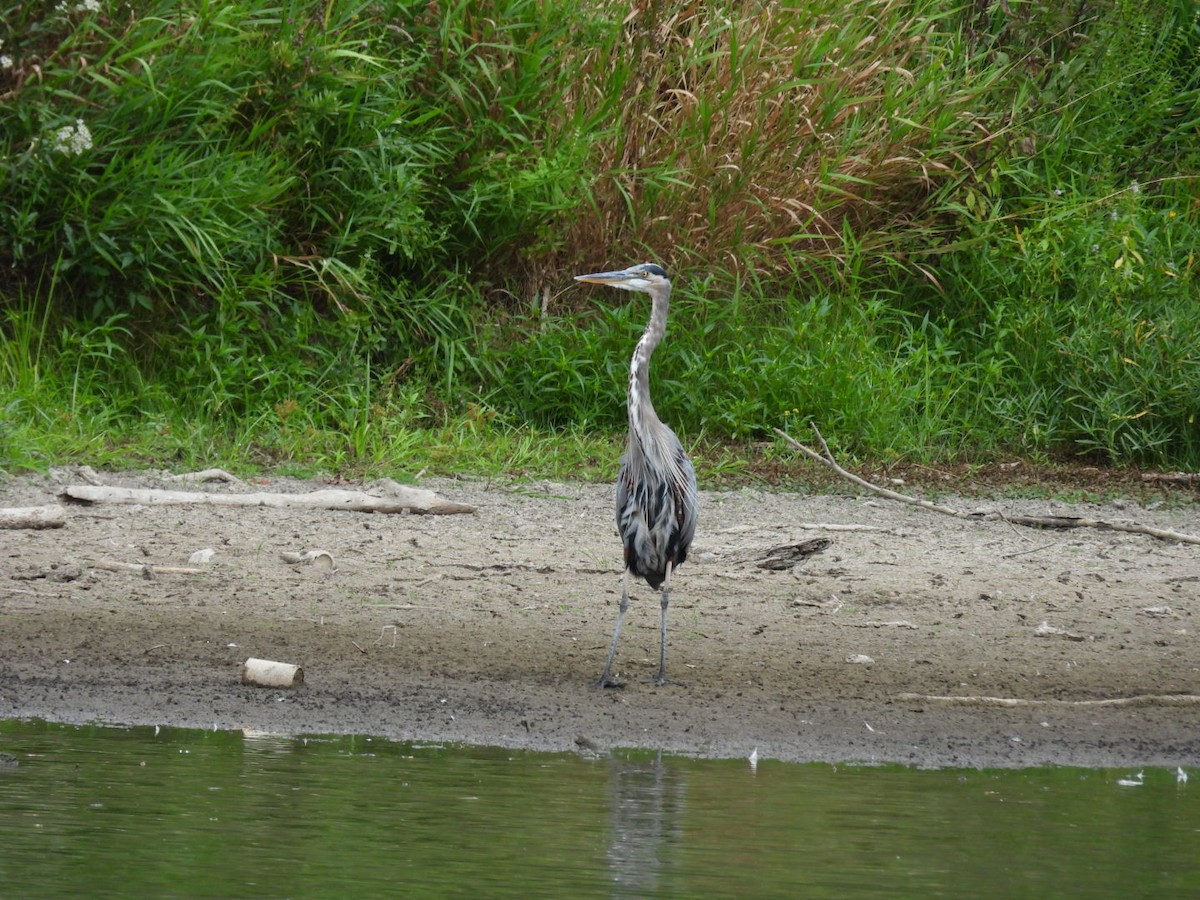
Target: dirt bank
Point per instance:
(491, 628)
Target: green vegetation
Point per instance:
(340, 235)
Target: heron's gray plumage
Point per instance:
(656, 487)
(656, 514)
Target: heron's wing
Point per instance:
(656, 508)
(687, 505)
(642, 552)
(623, 488)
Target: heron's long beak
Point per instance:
(626, 278)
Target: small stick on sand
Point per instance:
(206, 475)
(111, 566)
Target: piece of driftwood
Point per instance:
(1174, 477)
(826, 459)
(790, 555)
(147, 569)
(206, 475)
(49, 516)
(1138, 700)
(414, 500)
(802, 526)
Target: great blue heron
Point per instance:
(656, 487)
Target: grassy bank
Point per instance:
(340, 236)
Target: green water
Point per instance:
(104, 812)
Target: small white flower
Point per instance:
(1134, 187)
(73, 139)
(6, 62)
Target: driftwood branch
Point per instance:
(406, 500)
(206, 475)
(825, 458)
(148, 570)
(1174, 477)
(1138, 700)
(50, 516)
(801, 526)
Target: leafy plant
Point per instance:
(340, 234)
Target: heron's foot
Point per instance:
(607, 681)
(661, 678)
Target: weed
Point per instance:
(339, 235)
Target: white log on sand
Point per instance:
(50, 516)
(407, 499)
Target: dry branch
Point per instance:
(826, 459)
(50, 516)
(409, 500)
(109, 565)
(1139, 700)
(1174, 477)
(790, 555)
(802, 526)
(206, 475)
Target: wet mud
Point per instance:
(902, 636)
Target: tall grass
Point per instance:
(341, 233)
(1074, 271)
(341, 157)
(741, 135)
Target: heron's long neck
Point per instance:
(641, 410)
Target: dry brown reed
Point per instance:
(748, 133)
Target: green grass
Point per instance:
(339, 237)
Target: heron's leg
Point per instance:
(606, 680)
(661, 678)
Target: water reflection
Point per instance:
(646, 806)
(147, 812)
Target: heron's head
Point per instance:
(647, 278)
